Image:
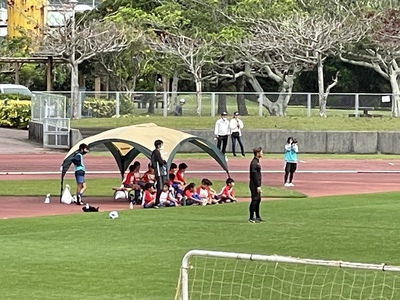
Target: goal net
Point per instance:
(227, 275)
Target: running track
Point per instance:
(314, 177)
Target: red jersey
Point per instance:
(137, 176)
(148, 177)
(227, 192)
(203, 192)
(188, 194)
(148, 197)
(129, 179)
(179, 177)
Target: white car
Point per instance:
(15, 89)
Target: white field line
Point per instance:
(209, 172)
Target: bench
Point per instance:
(365, 110)
(365, 113)
(142, 101)
(125, 192)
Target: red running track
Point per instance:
(315, 177)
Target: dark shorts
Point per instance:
(80, 177)
(290, 167)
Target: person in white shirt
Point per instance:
(221, 132)
(236, 126)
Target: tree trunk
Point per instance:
(198, 93)
(221, 102)
(240, 98)
(75, 109)
(321, 86)
(322, 105)
(277, 108)
(174, 89)
(394, 83)
(152, 101)
(153, 98)
(286, 94)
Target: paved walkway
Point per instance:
(15, 141)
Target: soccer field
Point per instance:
(138, 256)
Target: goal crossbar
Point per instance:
(185, 266)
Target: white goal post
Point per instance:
(228, 275)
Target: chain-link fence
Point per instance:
(46, 105)
(110, 104)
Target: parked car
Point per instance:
(15, 89)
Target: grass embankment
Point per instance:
(250, 122)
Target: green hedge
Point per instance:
(15, 114)
(99, 108)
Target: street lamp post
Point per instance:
(74, 67)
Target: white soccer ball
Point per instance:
(113, 215)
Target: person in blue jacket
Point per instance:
(80, 169)
(291, 150)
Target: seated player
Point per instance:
(172, 168)
(129, 179)
(191, 196)
(206, 192)
(177, 188)
(136, 172)
(131, 183)
(149, 197)
(180, 174)
(228, 194)
(149, 176)
(166, 197)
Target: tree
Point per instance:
(30, 75)
(76, 42)
(125, 67)
(260, 58)
(193, 52)
(311, 39)
(380, 51)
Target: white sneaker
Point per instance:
(286, 184)
(226, 158)
(291, 184)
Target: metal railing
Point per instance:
(109, 104)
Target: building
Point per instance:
(31, 15)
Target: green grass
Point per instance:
(103, 187)
(298, 123)
(337, 119)
(89, 256)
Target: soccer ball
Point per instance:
(113, 215)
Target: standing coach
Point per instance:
(255, 186)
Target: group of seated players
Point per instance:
(176, 191)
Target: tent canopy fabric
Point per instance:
(125, 143)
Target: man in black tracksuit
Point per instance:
(255, 186)
(160, 168)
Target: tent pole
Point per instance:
(61, 186)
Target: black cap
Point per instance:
(236, 113)
(224, 113)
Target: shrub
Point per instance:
(14, 97)
(15, 114)
(99, 108)
(126, 105)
